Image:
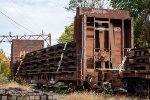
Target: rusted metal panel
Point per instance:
(103, 13)
(21, 47)
(118, 46)
(135, 74)
(77, 33)
(111, 75)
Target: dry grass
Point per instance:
(14, 84)
(94, 96)
(83, 96)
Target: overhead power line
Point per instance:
(16, 22)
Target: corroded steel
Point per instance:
(103, 13)
(101, 36)
(43, 65)
(137, 64)
(136, 73)
(21, 47)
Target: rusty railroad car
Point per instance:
(100, 52)
(102, 38)
(136, 73)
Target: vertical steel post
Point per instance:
(109, 44)
(94, 46)
(49, 38)
(84, 46)
(122, 39)
(132, 33)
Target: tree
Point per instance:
(4, 66)
(67, 35)
(73, 4)
(140, 11)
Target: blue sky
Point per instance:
(36, 15)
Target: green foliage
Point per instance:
(108, 88)
(67, 35)
(3, 78)
(62, 91)
(4, 66)
(73, 4)
(139, 10)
